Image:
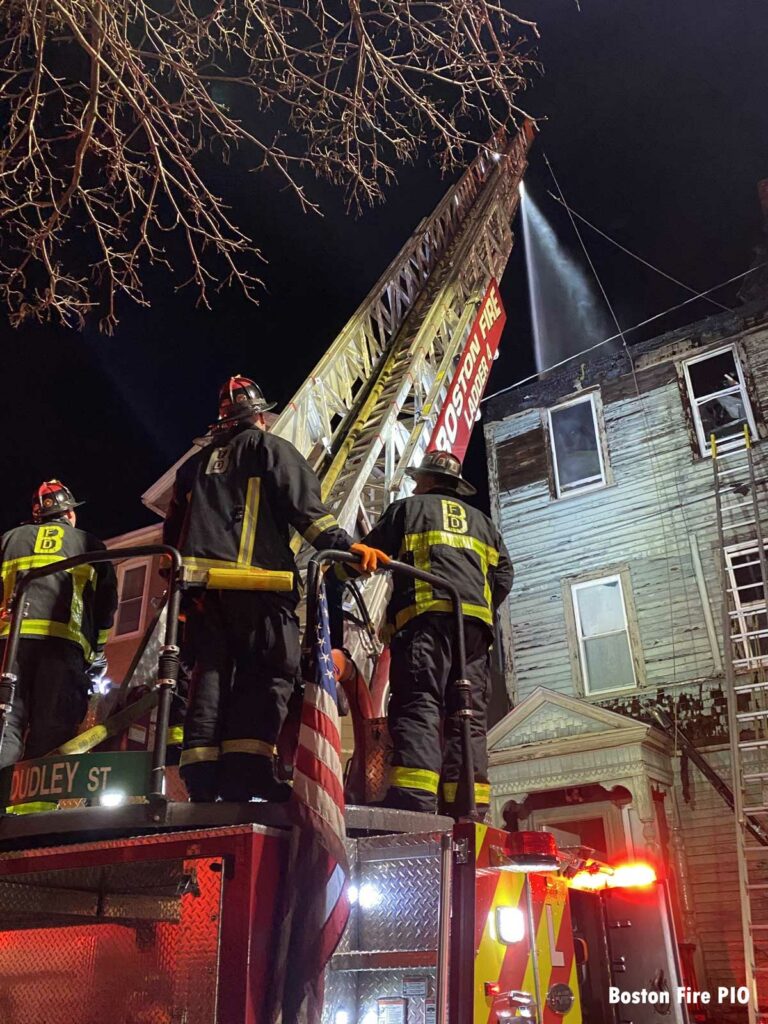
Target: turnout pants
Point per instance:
(51, 698)
(426, 740)
(247, 653)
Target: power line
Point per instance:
(627, 330)
(634, 255)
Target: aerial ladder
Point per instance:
(368, 408)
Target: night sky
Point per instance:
(657, 127)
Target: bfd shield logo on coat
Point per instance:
(454, 517)
(49, 540)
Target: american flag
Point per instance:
(318, 872)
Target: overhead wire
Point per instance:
(626, 330)
(635, 256)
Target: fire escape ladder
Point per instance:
(744, 579)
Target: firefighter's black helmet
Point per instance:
(51, 500)
(240, 397)
(447, 468)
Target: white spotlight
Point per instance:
(112, 798)
(369, 896)
(370, 1018)
(342, 1017)
(510, 925)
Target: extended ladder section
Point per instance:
(370, 403)
(744, 577)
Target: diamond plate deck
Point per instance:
(153, 972)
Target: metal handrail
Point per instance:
(168, 662)
(465, 795)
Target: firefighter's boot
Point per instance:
(201, 780)
(245, 776)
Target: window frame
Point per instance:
(576, 641)
(694, 402)
(572, 490)
(122, 569)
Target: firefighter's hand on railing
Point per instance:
(370, 558)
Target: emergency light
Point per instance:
(510, 925)
(632, 875)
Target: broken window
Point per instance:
(749, 619)
(603, 634)
(719, 400)
(576, 450)
(132, 579)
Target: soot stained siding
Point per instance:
(658, 504)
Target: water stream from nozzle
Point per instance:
(566, 316)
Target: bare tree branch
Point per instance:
(109, 107)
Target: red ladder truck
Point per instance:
(170, 913)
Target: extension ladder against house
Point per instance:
(744, 577)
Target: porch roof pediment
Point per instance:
(546, 716)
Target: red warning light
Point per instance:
(633, 875)
(492, 988)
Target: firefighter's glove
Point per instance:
(369, 558)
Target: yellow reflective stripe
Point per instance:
(319, 526)
(418, 542)
(472, 611)
(175, 735)
(194, 755)
(482, 792)
(250, 518)
(59, 630)
(258, 747)
(34, 808)
(101, 637)
(414, 778)
(420, 545)
(30, 562)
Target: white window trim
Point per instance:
(122, 568)
(576, 488)
(694, 402)
(583, 585)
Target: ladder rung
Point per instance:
(736, 504)
(752, 744)
(749, 687)
(757, 885)
(746, 716)
(756, 777)
(758, 809)
(738, 526)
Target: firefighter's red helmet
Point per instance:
(51, 500)
(240, 397)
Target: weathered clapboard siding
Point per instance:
(709, 837)
(661, 496)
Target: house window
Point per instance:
(749, 619)
(577, 455)
(132, 578)
(602, 630)
(719, 400)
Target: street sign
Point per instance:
(75, 776)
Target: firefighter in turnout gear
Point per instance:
(233, 505)
(64, 629)
(436, 531)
